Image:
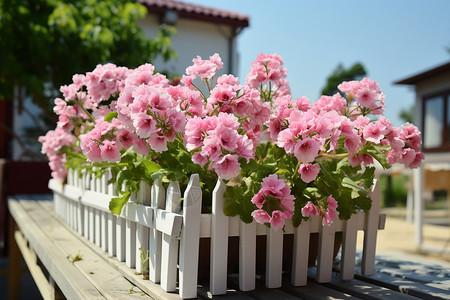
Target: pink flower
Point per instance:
(309, 172)
(227, 167)
(109, 151)
(261, 216)
(331, 212)
(303, 103)
(145, 125)
(286, 140)
(259, 200)
(187, 81)
(199, 159)
(309, 210)
(278, 219)
(141, 146)
(331, 202)
(157, 142)
(306, 150)
(205, 68)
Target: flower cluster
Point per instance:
(282, 158)
(52, 144)
(328, 215)
(274, 202)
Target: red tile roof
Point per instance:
(197, 12)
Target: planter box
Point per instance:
(155, 221)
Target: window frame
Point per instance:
(445, 146)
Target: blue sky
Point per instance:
(392, 38)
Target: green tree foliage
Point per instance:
(340, 74)
(44, 42)
(407, 114)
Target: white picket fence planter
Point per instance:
(154, 221)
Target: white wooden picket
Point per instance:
(154, 221)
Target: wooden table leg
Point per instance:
(15, 263)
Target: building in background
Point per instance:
(200, 31)
(432, 117)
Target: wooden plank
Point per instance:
(349, 249)
(110, 283)
(219, 242)
(155, 235)
(366, 290)
(15, 259)
(189, 244)
(120, 238)
(96, 200)
(300, 254)
(142, 232)
(315, 291)
(46, 290)
(370, 232)
(112, 220)
(98, 227)
(405, 286)
(168, 222)
(74, 284)
(325, 254)
(274, 258)
(130, 244)
(169, 247)
(247, 256)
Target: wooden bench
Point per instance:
(66, 265)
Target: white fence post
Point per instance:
(370, 232)
(300, 254)
(274, 258)
(325, 254)
(219, 242)
(247, 256)
(348, 253)
(190, 237)
(155, 236)
(142, 232)
(130, 237)
(169, 247)
(112, 219)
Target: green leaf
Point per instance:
(116, 204)
(110, 116)
(150, 167)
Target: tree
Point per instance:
(407, 114)
(44, 42)
(340, 74)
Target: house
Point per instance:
(200, 31)
(432, 117)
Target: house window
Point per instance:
(436, 131)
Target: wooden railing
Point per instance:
(156, 221)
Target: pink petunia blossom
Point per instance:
(306, 150)
(309, 210)
(227, 167)
(309, 172)
(109, 151)
(261, 216)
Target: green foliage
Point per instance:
(348, 185)
(340, 74)
(44, 42)
(407, 114)
(394, 190)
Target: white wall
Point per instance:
(194, 38)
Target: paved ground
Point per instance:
(399, 235)
(396, 244)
